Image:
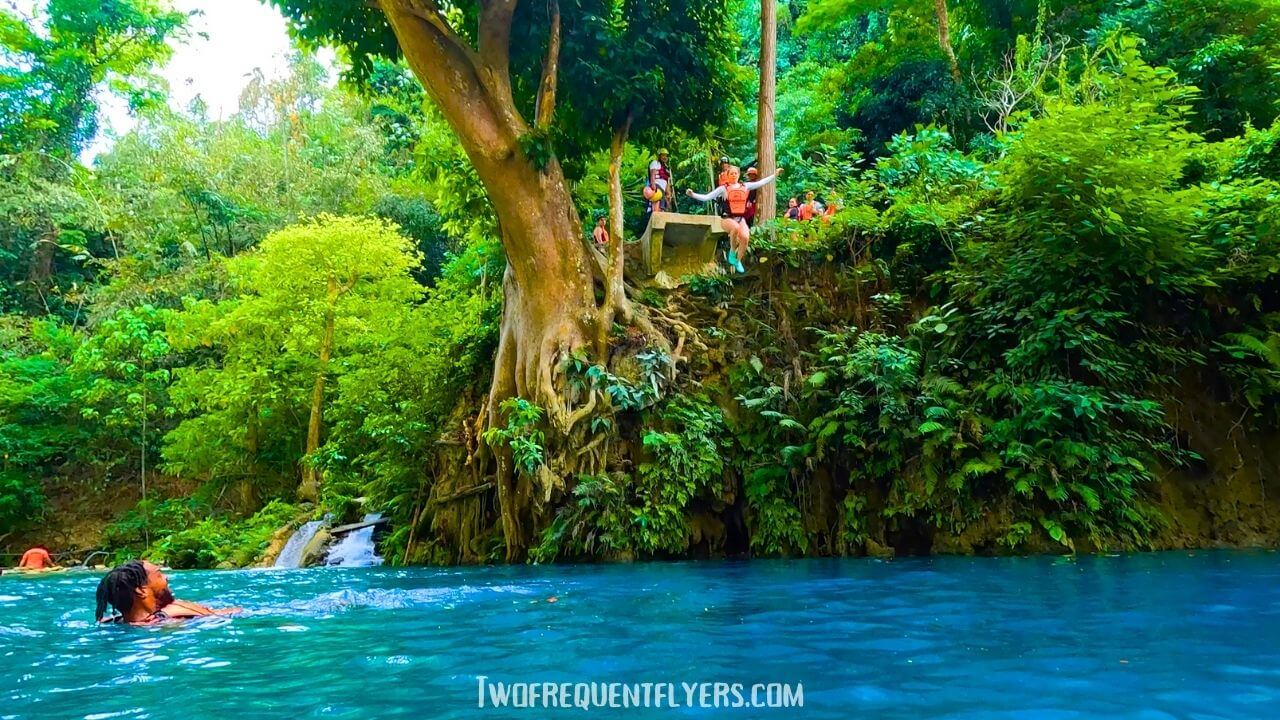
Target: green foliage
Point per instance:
(214, 542)
(54, 64)
(683, 463)
(521, 434)
(122, 373)
(715, 288)
(187, 533)
(770, 462)
(647, 515)
(1226, 48)
(326, 286)
(21, 500)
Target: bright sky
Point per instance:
(241, 35)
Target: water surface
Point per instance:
(1171, 635)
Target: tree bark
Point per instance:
(40, 269)
(615, 298)
(545, 111)
(944, 37)
(766, 197)
(309, 490)
(549, 307)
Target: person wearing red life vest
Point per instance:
(736, 196)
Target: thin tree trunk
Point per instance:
(615, 292)
(944, 37)
(309, 490)
(40, 269)
(766, 197)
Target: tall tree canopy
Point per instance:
(52, 65)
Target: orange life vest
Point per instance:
(736, 197)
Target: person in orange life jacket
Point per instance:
(752, 176)
(735, 195)
(37, 558)
(811, 207)
(830, 210)
(725, 168)
(600, 234)
(793, 209)
(722, 179)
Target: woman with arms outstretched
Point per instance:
(736, 196)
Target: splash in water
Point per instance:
(356, 548)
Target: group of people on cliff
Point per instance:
(736, 199)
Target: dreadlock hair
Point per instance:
(118, 587)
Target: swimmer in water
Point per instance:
(140, 595)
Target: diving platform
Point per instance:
(675, 245)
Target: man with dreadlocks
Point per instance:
(139, 594)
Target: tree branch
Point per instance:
(546, 107)
(429, 11)
(451, 72)
(494, 37)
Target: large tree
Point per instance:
(490, 66)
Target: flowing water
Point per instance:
(356, 548)
(1142, 636)
(291, 555)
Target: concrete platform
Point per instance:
(675, 245)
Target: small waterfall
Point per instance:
(291, 555)
(356, 549)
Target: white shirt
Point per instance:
(719, 191)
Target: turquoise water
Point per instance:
(1169, 635)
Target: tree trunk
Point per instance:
(549, 307)
(615, 298)
(309, 490)
(944, 37)
(40, 269)
(766, 197)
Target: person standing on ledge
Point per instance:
(735, 195)
(660, 177)
(37, 558)
(601, 234)
(140, 595)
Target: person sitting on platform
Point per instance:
(37, 558)
(735, 195)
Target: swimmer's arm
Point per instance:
(183, 608)
(717, 193)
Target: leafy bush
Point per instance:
(214, 542)
(647, 516)
(21, 500)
